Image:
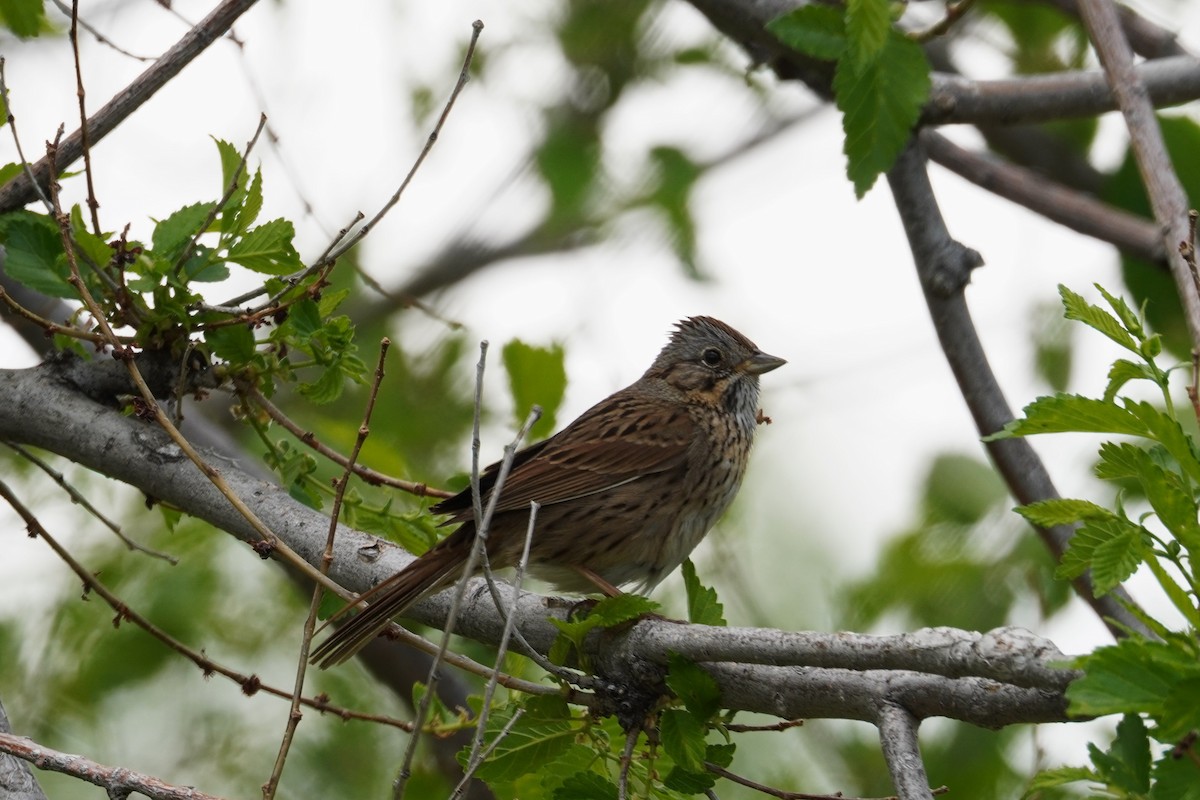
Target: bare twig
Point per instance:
(310, 622)
(21, 189)
(92, 203)
(249, 684)
(79, 499)
(954, 12)
(474, 764)
(1076, 210)
(943, 266)
(1163, 188)
(369, 475)
(117, 781)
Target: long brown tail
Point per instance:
(435, 569)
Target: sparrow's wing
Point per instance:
(615, 442)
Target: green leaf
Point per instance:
(695, 687)
(689, 782)
(532, 741)
(1119, 461)
(1054, 778)
(1181, 711)
(25, 18)
(703, 606)
(675, 177)
(868, 23)
(1111, 548)
(1048, 513)
(1175, 779)
(1126, 765)
(1121, 373)
(304, 319)
(880, 104)
(325, 389)
(35, 257)
(624, 607)
(1130, 320)
(1063, 413)
(12, 169)
(1133, 676)
(682, 739)
(814, 30)
(267, 249)
(1170, 435)
(174, 233)
(1095, 317)
(586, 786)
(247, 214)
(233, 343)
(536, 376)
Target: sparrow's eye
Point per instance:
(711, 356)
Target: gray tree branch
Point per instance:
(38, 408)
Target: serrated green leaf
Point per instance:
(868, 23)
(586, 786)
(695, 687)
(703, 606)
(1131, 749)
(880, 104)
(536, 376)
(1175, 779)
(1054, 778)
(325, 389)
(1130, 320)
(689, 782)
(624, 607)
(1119, 461)
(531, 742)
(682, 738)
(247, 214)
(35, 257)
(1133, 676)
(1063, 413)
(267, 249)
(173, 234)
(1181, 711)
(720, 754)
(1095, 317)
(233, 343)
(1061, 511)
(25, 18)
(1121, 373)
(814, 30)
(1169, 433)
(330, 301)
(304, 319)
(1111, 548)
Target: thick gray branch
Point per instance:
(954, 99)
(37, 408)
(898, 737)
(944, 266)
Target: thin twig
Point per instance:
(782, 725)
(92, 202)
(369, 475)
(1163, 189)
(249, 684)
(464, 75)
(954, 12)
(631, 738)
(118, 781)
(482, 524)
(26, 167)
(364, 430)
(489, 690)
(79, 499)
(469, 772)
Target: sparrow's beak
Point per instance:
(759, 363)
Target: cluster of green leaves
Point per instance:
(1155, 677)
(547, 749)
(880, 82)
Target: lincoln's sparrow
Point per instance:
(626, 491)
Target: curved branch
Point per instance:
(943, 266)
(39, 409)
(20, 190)
(1080, 212)
(1134, 96)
